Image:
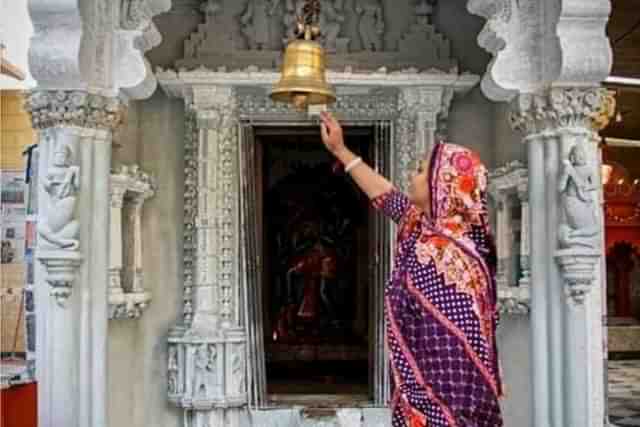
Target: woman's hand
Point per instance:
(332, 135)
(366, 178)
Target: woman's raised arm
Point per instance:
(369, 181)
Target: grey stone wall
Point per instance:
(138, 349)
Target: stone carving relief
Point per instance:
(73, 108)
(238, 370)
(60, 229)
(434, 47)
(205, 370)
(331, 20)
(567, 117)
(207, 374)
(173, 371)
(257, 24)
(579, 52)
(257, 34)
(135, 14)
(372, 25)
(130, 187)
(578, 189)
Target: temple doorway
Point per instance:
(318, 278)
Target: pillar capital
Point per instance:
(74, 108)
(558, 108)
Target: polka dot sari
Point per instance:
(440, 303)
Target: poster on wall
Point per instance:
(13, 213)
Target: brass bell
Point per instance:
(303, 80)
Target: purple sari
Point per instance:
(440, 304)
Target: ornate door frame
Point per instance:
(407, 110)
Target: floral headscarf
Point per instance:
(458, 184)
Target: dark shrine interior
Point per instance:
(315, 271)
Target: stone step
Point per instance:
(322, 417)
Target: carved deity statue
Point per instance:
(371, 25)
(59, 228)
(424, 11)
(331, 19)
(173, 370)
(202, 365)
(237, 368)
(211, 8)
(256, 23)
(577, 186)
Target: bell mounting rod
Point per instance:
(307, 26)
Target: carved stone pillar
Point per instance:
(207, 353)
(423, 113)
(74, 131)
(565, 252)
(525, 237)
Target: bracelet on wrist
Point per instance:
(352, 164)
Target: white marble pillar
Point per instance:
(525, 236)
(565, 254)
(74, 131)
(115, 252)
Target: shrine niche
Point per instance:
(315, 277)
(228, 299)
(357, 34)
(508, 189)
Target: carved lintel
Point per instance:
(61, 269)
(578, 269)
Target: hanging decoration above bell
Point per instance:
(303, 80)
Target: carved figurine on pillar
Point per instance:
(371, 25)
(204, 364)
(256, 23)
(59, 228)
(172, 368)
(577, 185)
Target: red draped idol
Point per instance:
(440, 303)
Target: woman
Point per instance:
(440, 304)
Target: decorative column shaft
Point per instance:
(74, 131)
(525, 237)
(423, 113)
(563, 188)
(207, 353)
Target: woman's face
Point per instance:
(419, 186)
